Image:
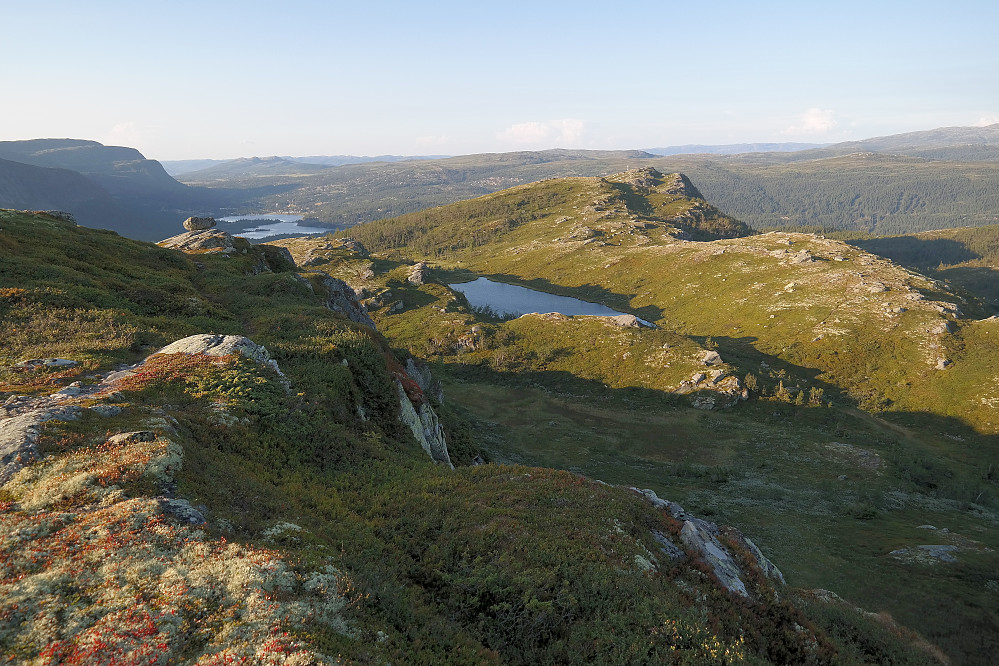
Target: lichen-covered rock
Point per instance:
(38, 363)
(221, 345)
(19, 437)
(199, 223)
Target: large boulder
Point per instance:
(199, 223)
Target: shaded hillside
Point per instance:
(147, 203)
(222, 501)
(23, 186)
(968, 258)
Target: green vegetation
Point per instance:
(870, 415)
(330, 536)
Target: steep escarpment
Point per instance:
(231, 480)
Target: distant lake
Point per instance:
(513, 300)
(278, 223)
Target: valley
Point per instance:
(412, 474)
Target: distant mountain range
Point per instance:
(180, 167)
(902, 183)
(734, 148)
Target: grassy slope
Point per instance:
(495, 564)
(859, 327)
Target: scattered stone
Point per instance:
(926, 527)
(106, 410)
(802, 257)
(354, 246)
(61, 215)
(927, 554)
(705, 402)
(38, 363)
(943, 363)
(182, 510)
(207, 240)
(628, 321)
(199, 223)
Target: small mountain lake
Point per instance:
(277, 223)
(510, 299)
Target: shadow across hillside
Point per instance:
(920, 253)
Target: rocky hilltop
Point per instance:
(212, 456)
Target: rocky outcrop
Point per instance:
(207, 240)
(341, 298)
(425, 426)
(199, 223)
(703, 540)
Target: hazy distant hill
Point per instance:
(179, 167)
(948, 143)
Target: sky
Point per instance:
(221, 79)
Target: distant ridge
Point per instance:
(734, 148)
(183, 167)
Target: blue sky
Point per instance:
(201, 79)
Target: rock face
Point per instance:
(199, 223)
(420, 373)
(423, 422)
(342, 299)
(702, 539)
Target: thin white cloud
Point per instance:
(525, 133)
(813, 121)
(570, 131)
(566, 132)
(985, 121)
(123, 134)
